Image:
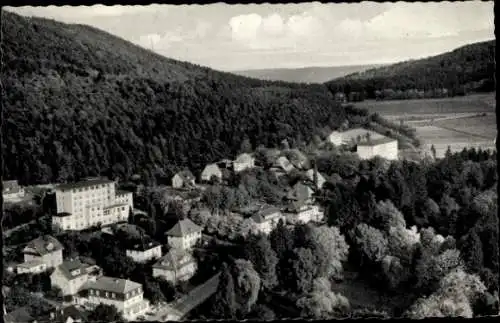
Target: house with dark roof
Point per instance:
(144, 251)
(20, 315)
(125, 295)
(184, 234)
(177, 265)
(12, 191)
(69, 314)
(70, 276)
(211, 171)
(243, 161)
(183, 179)
(45, 249)
(266, 218)
(383, 147)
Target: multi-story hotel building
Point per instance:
(90, 203)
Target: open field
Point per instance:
(468, 121)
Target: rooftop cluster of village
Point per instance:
(96, 204)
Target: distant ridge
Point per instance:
(316, 74)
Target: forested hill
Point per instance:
(81, 102)
(468, 68)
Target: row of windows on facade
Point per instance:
(113, 295)
(89, 188)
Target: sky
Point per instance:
(259, 36)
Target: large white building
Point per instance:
(351, 136)
(90, 203)
(125, 295)
(384, 147)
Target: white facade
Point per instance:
(387, 150)
(129, 303)
(51, 259)
(209, 171)
(90, 203)
(31, 267)
(187, 241)
(265, 224)
(145, 255)
(305, 214)
(177, 265)
(69, 285)
(244, 161)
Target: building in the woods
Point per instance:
(384, 147)
(243, 161)
(144, 252)
(282, 164)
(267, 218)
(90, 203)
(45, 249)
(125, 295)
(352, 136)
(300, 192)
(183, 179)
(71, 275)
(185, 234)
(12, 191)
(313, 175)
(211, 171)
(300, 212)
(177, 265)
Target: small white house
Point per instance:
(177, 265)
(184, 234)
(243, 161)
(144, 252)
(45, 249)
(385, 147)
(211, 170)
(70, 276)
(298, 212)
(321, 180)
(183, 179)
(339, 138)
(12, 191)
(284, 164)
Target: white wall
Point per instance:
(387, 150)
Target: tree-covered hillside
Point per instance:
(468, 68)
(81, 102)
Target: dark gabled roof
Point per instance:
(183, 228)
(85, 183)
(71, 312)
(174, 259)
(112, 284)
(43, 245)
(375, 142)
(68, 266)
(20, 315)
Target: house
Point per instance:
(184, 234)
(319, 178)
(144, 252)
(348, 137)
(90, 203)
(177, 265)
(35, 266)
(300, 212)
(210, 171)
(300, 192)
(183, 179)
(125, 295)
(384, 147)
(45, 249)
(281, 166)
(12, 191)
(20, 315)
(267, 218)
(225, 164)
(69, 314)
(243, 161)
(298, 159)
(71, 275)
